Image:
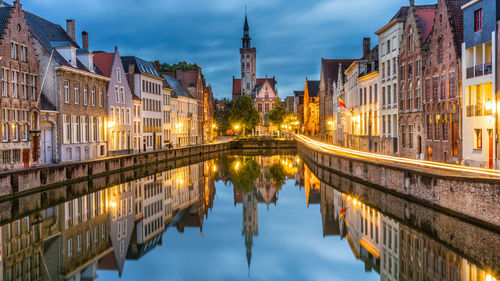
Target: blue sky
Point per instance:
(291, 36)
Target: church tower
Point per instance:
(248, 62)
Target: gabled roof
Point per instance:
(178, 89)
(52, 36)
(330, 68)
(425, 16)
(4, 18)
(271, 81)
(140, 66)
(105, 62)
(456, 15)
(313, 88)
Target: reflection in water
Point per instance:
(102, 229)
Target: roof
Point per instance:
(425, 15)
(456, 15)
(4, 18)
(298, 93)
(271, 81)
(52, 36)
(177, 87)
(140, 66)
(330, 68)
(105, 62)
(313, 88)
(45, 104)
(189, 78)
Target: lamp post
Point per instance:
(236, 129)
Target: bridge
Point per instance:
(468, 192)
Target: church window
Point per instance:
(248, 86)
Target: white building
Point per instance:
(166, 109)
(146, 83)
(479, 64)
(388, 38)
(389, 259)
(183, 114)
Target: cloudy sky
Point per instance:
(291, 36)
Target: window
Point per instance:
(66, 91)
(478, 139)
(13, 51)
(478, 20)
(96, 239)
(101, 98)
(85, 94)
(452, 87)
(93, 96)
(24, 51)
(410, 136)
(443, 87)
(70, 248)
(427, 89)
(122, 95)
(389, 47)
(103, 232)
(118, 75)
(79, 244)
(14, 84)
(403, 136)
(429, 127)
(435, 88)
(77, 94)
(117, 97)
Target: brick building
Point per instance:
(75, 88)
(413, 52)
(442, 85)
(20, 145)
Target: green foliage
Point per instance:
(277, 173)
(277, 114)
(244, 171)
(222, 118)
(244, 113)
(184, 66)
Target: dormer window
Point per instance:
(73, 57)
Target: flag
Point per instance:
(341, 103)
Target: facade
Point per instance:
(289, 103)
(442, 96)
(389, 38)
(340, 113)
(146, 84)
(480, 80)
(167, 112)
(137, 123)
(327, 101)
(20, 101)
(311, 108)
(77, 90)
(183, 115)
(262, 90)
(362, 101)
(119, 103)
(413, 53)
(298, 105)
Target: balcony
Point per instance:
(476, 110)
(479, 70)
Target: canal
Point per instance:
(238, 217)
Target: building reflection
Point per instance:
(102, 229)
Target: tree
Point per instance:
(277, 114)
(277, 173)
(184, 66)
(222, 117)
(244, 172)
(244, 114)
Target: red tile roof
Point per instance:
(236, 86)
(105, 62)
(425, 15)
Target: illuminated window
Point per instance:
(478, 139)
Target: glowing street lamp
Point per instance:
(237, 166)
(111, 124)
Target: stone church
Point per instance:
(262, 90)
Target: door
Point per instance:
(454, 139)
(47, 145)
(26, 157)
(429, 152)
(490, 148)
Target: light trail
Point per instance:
(407, 161)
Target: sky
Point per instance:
(291, 36)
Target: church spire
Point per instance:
(246, 33)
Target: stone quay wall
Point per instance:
(475, 199)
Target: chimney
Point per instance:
(70, 29)
(178, 74)
(366, 46)
(85, 40)
(157, 65)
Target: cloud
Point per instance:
(291, 36)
